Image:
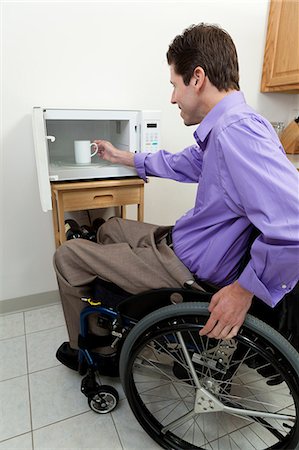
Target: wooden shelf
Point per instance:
(77, 196)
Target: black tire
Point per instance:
(104, 400)
(257, 372)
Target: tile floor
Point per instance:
(41, 406)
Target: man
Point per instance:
(244, 180)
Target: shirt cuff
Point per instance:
(139, 159)
(249, 280)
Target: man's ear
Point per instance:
(198, 76)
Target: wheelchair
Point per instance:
(189, 391)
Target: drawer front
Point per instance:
(101, 198)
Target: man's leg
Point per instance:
(117, 230)
(138, 260)
(78, 263)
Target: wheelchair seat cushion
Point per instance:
(108, 293)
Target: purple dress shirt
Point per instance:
(244, 178)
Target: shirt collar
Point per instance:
(234, 99)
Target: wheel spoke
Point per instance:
(238, 409)
(178, 422)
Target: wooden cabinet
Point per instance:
(281, 58)
(77, 196)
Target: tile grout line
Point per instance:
(30, 373)
(24, 322)
(13, 437)
(34, 308)
(118, 435)
(28, 383)
(45, 426)
(33, 332)
(12, 337)
(47, 329)
(61, 420)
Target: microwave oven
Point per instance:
(55, 131)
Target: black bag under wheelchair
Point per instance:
(189, 391)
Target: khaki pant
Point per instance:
(133, 255)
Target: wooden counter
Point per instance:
(77, 196)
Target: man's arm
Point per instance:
(266, 191)
(108, 152)
(262, 185)
(184, 166)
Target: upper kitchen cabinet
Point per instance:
(281, 58)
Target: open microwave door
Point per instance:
(41, 157)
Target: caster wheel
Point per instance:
(104, 400)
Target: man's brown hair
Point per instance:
(209, 47)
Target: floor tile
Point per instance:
(55, 395)
(130, 432)
(84, 432)
(13, 355)
(44, 318)
(23, 442)
(42, 346)
(15, 413)
(61, 416)
(11, 325)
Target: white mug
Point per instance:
(83, 151)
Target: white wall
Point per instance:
(102, 55)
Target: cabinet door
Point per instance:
(281, 60)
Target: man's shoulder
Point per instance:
(240, 115)
(246, 123)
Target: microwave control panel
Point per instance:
(150, 131)
(151, 137)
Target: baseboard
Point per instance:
(28, 302)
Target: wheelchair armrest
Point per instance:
(138, 306)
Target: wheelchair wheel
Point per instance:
(193, 392)
(104, 400)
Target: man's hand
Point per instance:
(108, 152)
(228, 309)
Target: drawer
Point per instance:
(101, 197)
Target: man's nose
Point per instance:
(173, 100)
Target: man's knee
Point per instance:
(112, 222)
(66, 252)
(110, 231)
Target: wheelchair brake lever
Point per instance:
(118, 331)
(118, 336)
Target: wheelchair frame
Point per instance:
(131, 330)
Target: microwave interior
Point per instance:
(61, 151)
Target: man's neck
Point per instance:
(211, 96)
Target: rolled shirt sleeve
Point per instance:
(139, 161)
(185, 166)
(266, 190)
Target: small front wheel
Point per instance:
(104, 400)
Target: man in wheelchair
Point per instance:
(245, 181)
(194, 373)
